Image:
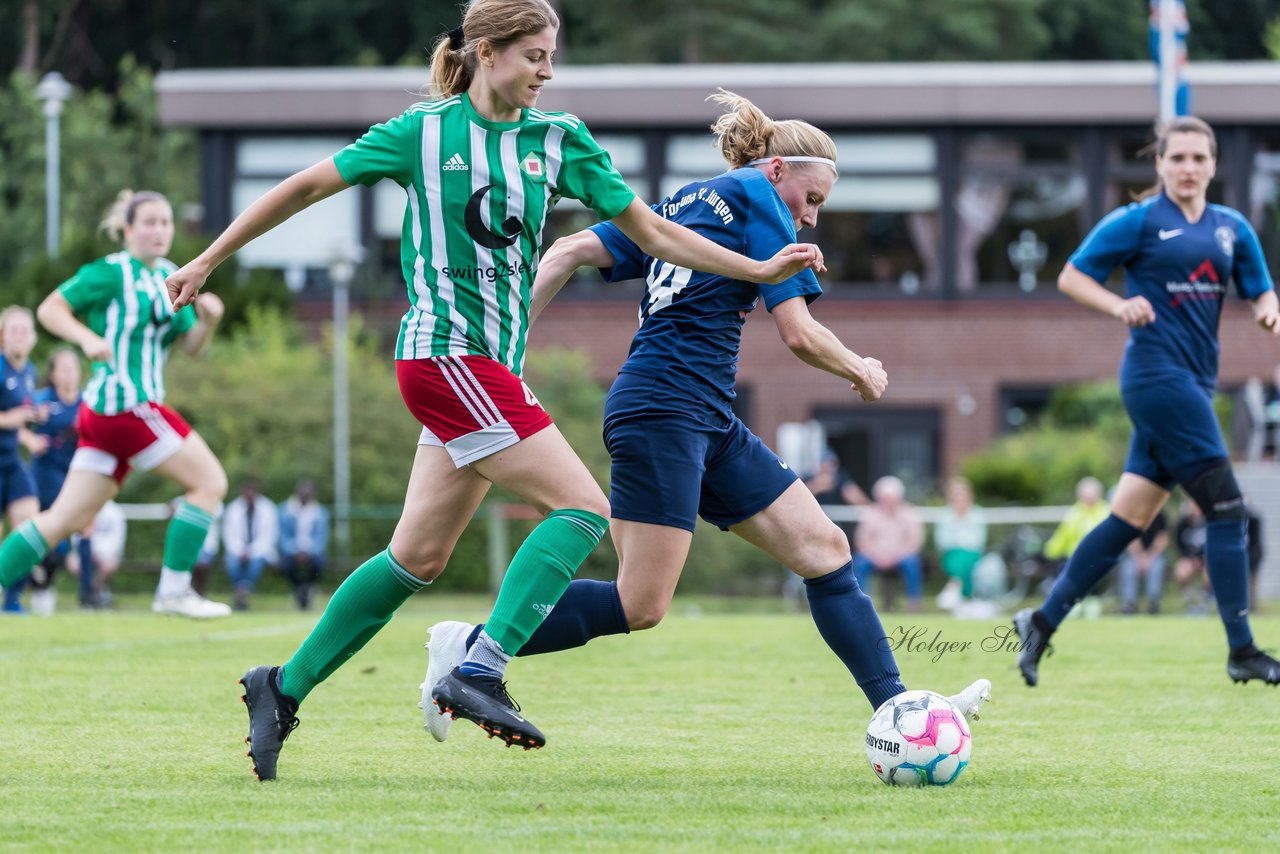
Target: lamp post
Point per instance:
(342, 269)
(53, 90)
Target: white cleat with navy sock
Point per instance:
(970, 700)
(446, 648)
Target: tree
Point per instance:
(87, 40)
(909, 31)
(1232, 30)
(108, 143)
(1084, 432)
(1096, 29)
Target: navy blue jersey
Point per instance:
(60, 427)
(17, 387)
(1183, 269)
(691, 322)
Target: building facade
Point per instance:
(964, 188)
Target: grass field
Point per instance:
(715, 731)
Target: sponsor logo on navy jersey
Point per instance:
(1204, 284)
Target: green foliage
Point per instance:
(565, 385)
(88, 41)
(1087, 406)
(804, 31)
(263, 399)
(908, 31)
(108, 143)
(1095, 29)
(1084, 432)
(1272, 38)
(1042, 465)
(85, 40)
(725, 564)
(675, 31)
(1229, 31)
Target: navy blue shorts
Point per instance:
(48, 480)
(671, 466)
(15, 482)
(1175, 431)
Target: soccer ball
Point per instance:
(918, 738)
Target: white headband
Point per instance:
(794, 159)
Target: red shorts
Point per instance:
(142, 437)
(471, 406)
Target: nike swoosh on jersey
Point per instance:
(1165, 235)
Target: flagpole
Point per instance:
(1168, 60)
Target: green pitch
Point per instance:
(124, 731)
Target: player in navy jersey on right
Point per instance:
(1179, 253)
(678, 450)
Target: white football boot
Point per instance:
(191, 604)
(970, 700)
(446, 650)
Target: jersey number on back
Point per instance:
(665, 281)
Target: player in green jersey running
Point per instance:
(481, 167)
(117, 311)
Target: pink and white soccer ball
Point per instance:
(918, 738)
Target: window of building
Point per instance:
(629, 156)
(1265, 199)
(872, 443)
(871, 227)
(876, 229)
(304, 240)
(307, 239)
(1018, 210)
(1022, 406)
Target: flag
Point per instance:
(1171, 72)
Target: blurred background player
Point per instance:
(53, 445)
(888, 542)
(250, 539)
(304, 541)
(107, 538)
(1179, 253)
(678, 451)
(1143, 563)
(117, 311)
(17, 413)
(960, 535)
(1189, 569)
(1088, 511)
(461, 348)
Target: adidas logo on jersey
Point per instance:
(455, 164)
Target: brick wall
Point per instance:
(935, 353)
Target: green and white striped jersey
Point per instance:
(478, 195)
(125, 302)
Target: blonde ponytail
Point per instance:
(745, 133)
